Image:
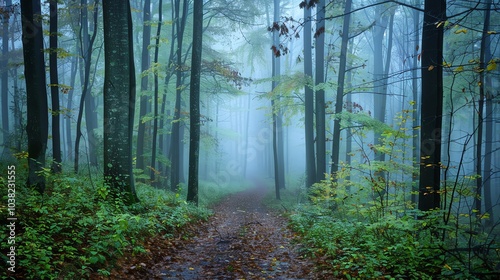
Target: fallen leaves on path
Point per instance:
(242, 240)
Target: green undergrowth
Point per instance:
(354, 249)
(76, 228)
(351, 238)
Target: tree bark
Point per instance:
(320, 93)
(156, 97)
(309, 101)
(54, 89)
(432, 105)
(86, 102)
(36, 92)
(175, 153)
(69, 142)
(119, 98)
(340, 89)
(415, 95)
(144, 99)
(5, 79)
(194, 103)
(485, 43)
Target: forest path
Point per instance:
(242, 240)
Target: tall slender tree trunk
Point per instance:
(5, 79)
(348, 87)
(414, 86)
(175, 148)
(90, 100)
(485, 43)
(69, 142)
(164, 139)
(247, 126)
(144, 99)
(36, 92)
(194, 103)
(86, 103)
(340, 88)
(54, 89)
(320, 93)
(309, 101)
(156, 95)
(276, 115)
(432, 105)
(18, 116)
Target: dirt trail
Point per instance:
(242, 240)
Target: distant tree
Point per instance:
(119, 98)
(156, 95)
(309, 98)
(144, 99)
(69, 106)
(484, 58)
(488, 119)
(340, 88)
(54, 89)
(384, 20)
(415, 95)
(278, 161)
(431, 104)
(87, 103)
(194, 101)
(36, 91)
(176, 136)
(320, 92)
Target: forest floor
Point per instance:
(242, 240)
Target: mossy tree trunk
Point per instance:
(119, 98)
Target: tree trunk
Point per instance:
(414, 84)
(86, 49)
(36, 92)
(320, 93)
(309, 101)
(54, 89)
(379, 79)
(69, 142)
(194, 103)
(119, 98)
(432, 105)
(144, 99)
(175, 153)
(340, 88)
(5, 80)
(485, 43)
(155, 99)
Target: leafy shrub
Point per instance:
(76, 228)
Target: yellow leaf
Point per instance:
(191, 268)
(430, 68)
(459, 69)
(492, 32)
(463, 30)
(492, 65)
(447, 266)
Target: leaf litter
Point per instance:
(242, 240)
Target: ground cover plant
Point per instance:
(77, 228)
(363, 223)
